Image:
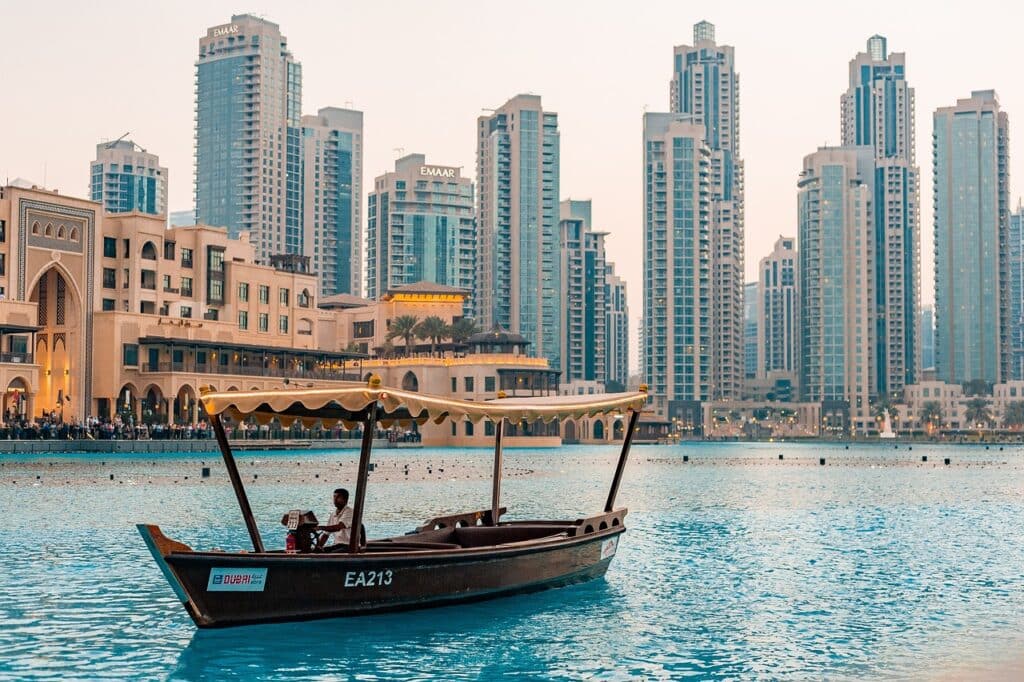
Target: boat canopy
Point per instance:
(349, 405)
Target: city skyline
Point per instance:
(575, 84)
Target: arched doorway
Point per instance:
(153, 408)
(59, 342)
(617, 430)
(570, 431)
(128, 404)
(185, 406)
(410, 382)
(598, 430)
(16, 403)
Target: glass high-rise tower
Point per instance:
(705, 86)
(973, 318)
(836, 284)
(878, 112)
(677, 327)
(519, 279)
(584, 325)
(125, 177)
(332, 206)
(421, 227)
(248, 135)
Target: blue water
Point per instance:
(735, 565)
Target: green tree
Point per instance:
(977, 387)
(404, 326)
(613, 386)
(433, 329)
(1013, 415)
(931, 413)
(462, 329)
(978, 412)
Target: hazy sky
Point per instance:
(73, 74)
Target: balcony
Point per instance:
(231, 369)
(16, 358)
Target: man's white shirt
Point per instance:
(343, 515)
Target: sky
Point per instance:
(73, 74)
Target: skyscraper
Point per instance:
(878, 111)
(777, 305)
(927, 337)
(972, 221)
(248, 146)
(617, 328)
(584, 331)
(420, 227)
(332, 204)
(705, 85)
(518, 242)
(1015, 292)
(750, 327)
(836, 240)
(125, 177)
(677, 261)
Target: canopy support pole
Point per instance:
(496, 489)
(361, 478)
(236, 483)
(626, 442)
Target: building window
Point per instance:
(186, 287)
(167, 282)
(488, 428)
(127, 248)
(211, 314)
(469, 384)
(168, 250)
(283, 297)
(186, 258)
(186, 311)
(130, 355)
(362, 330)
(109, 278)
(243, 292)
(3, 264)
(214, 274)
(469, 428)
(243, 319)
(488, 384)
(3, 231)
(109, 247)
(127, 277)
(264, 293)
(264, 322)
(455, 384)
(303, 299)
(109, 304)
(282, 324)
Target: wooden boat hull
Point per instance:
(222, 589)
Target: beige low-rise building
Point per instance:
(104, 315)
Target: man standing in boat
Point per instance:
(339, 524)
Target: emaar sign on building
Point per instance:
(438, 172)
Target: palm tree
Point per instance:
(1013, 415)
(404, 326)
(931, 413)
(462, 329)
(978, 412)
(434, 329)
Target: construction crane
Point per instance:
(111, 145)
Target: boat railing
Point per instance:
(476, 518)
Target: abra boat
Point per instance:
(456, 558)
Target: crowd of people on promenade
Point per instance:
(52, 426)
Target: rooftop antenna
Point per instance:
(111, 145)
(399, 150)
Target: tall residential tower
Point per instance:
(836, 255)
(519, 278)
(878, 112)
(332, 207)
(420, 227)
(584, 338)
(677, 323)
(970, 146)
(705, 86)
(125, 178)
(248, 147)
(777, 308)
